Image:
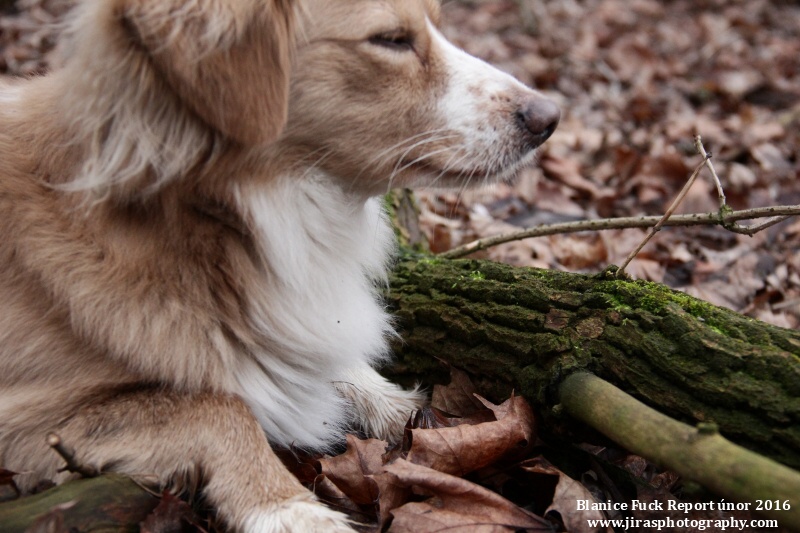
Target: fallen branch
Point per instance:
(698, 453)
(72, 465)
(525, 329)
(694, 219)
(110, 503)
(725, 217)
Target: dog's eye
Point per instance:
(398, 40)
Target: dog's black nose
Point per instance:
(539, 118)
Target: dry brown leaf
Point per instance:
(348, 471)
(171, 515)
(568, 171)
(457, 397)
(567, 493)
(456, 505)
(334, 497)
(392, 494)
(466, 448)
(579, 252)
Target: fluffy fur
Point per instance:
(191, 251)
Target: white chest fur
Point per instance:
(318, 315)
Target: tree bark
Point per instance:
(106, 504)
(527, 329)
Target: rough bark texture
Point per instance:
(526, 329)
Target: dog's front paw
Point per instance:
(301, 513)
(381, 407)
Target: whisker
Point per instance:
(421, 158)
(397, 168)
(408, 150)
(458, 157)
(397, 145)
(400, 150)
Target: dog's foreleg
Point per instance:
(177, 436)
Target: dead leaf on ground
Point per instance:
(171, 515)
(465, 448)
(349, 470)
(456, 504)
(567, 493)
(457, 397)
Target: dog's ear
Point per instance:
(228, 60)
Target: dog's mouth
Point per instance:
(428, 173)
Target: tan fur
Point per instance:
(132, 276)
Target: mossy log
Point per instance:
(106, 504)
(526, 329)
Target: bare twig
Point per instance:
(724, 217)
(55, 442)
(695, 219)
(698, 144)
(655, 229)
(752, 230)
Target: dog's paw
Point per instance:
(301, 513)
(381, 407)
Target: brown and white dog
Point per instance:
(190, 245)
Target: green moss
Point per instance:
(528, 328)
(477, 275)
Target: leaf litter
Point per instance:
(485, 470)
(422, 484)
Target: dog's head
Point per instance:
(367, 90)
(385, 100)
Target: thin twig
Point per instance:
(724, 217)
(695, 219)
(752, 230)
(55, 442)
(655, 229)
(698, 144)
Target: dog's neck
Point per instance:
(325, 253)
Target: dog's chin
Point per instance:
(510, 173)
(430, 175)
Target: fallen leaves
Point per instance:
(464, 448)
(567, 493)
(420, 485)
(455, 504)
(172, 515)
(481, 468)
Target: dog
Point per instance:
(192, 250)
